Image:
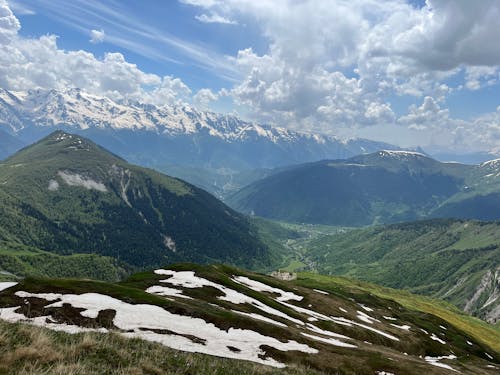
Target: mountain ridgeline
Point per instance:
(382, 187)
(66, 195)
(204, 148)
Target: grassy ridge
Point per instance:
(35, 350)
(488, 334)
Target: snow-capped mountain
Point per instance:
(179, 135)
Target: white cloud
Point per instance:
(97, 36)
(329, 64)
(203, 98)
(9, 24)
(29, 63)
(215, 18)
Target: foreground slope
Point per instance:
(456, 260)
(67, 195)
(383, 187)
(325, 324)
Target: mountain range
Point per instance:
(169, 136)
(382, 187)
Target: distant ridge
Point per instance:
(382, 187)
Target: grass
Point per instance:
(32, 350)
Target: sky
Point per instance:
(412, 73)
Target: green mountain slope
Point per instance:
(384, 187)
(67, 195)
(314, 324)
(456, 260)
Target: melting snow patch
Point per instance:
(435, 338)
(166, 291)
(345, 321)
(389, 317)
(366, 308)
(261, 287)
(435, 361)
(489, 356)
(321, 291)
(260, 317)
(188, 279)
(403, 327)
(366, 318)
(143, 320)
(468, 342)
(442, 327)
(329, 341)
(75, 179)
(342, 309)
(7, 285)
(53, 185)
(315, 329)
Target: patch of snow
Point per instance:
(261, 287)
(315, 329)
(53, 185)
(366, 318)
(7, 284)
(435, 338)
(342, 309)
(260, 317)
(384, 373)
(321, 291)
(188, 279)
(489, 356)
(341, 320)
(435, 361)
(366, 308)
(141, 320)
(442, 327)
(405, 327)
(388, 317)
(469, 343)
(75, 179)
(166, 291)
(330, 341)
(169, 243)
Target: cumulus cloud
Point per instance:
(203, 98)
(9, 24)
(97, 36)
(331, 63)
(29, 63)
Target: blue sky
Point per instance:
(412, 73)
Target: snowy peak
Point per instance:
(400, 155)
(77, 109)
